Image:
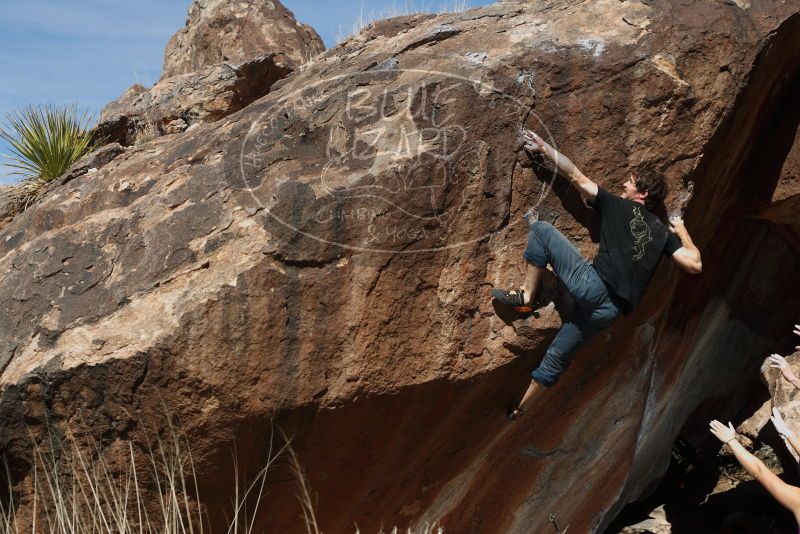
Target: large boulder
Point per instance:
(218, 31)
(323, 257)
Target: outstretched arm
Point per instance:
(688, 256)
(535, 144)
(785, 494)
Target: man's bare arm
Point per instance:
(688, 256)
(785, 494)
(535, 144)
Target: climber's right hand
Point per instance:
(532, 142)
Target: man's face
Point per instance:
(629, 190)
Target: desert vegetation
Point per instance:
(399, 9)
(44, 141)
(74, 488)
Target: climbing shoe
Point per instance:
(513, 414)
(513, 298)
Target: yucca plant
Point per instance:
(45, 140)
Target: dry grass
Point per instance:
(427, 529)
(75, 490)
(399, 8)
(24, 193)
(150, 127)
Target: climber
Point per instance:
(632, 240)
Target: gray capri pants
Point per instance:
(593, 311)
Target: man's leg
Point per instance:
(533, 388)
(546, 245)
(588, 318)
(533, 274)
(573, 334)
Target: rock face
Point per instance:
(16, 198)
(174, 104)
(387, 28)
(323, 259)
(218, 32)
(121, 105)
(10, 203)
(227, 56)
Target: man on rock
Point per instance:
(632, 241)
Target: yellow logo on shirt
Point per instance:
(641, 233)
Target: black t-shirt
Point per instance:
(632, 241)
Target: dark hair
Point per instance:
(654, 185)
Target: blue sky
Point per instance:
(88, 52)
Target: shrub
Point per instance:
(46, 140)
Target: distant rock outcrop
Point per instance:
(174, 104)
(228, 55)
(323, 259)
(219, 31)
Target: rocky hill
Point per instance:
(227, 56)
(322, 258)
